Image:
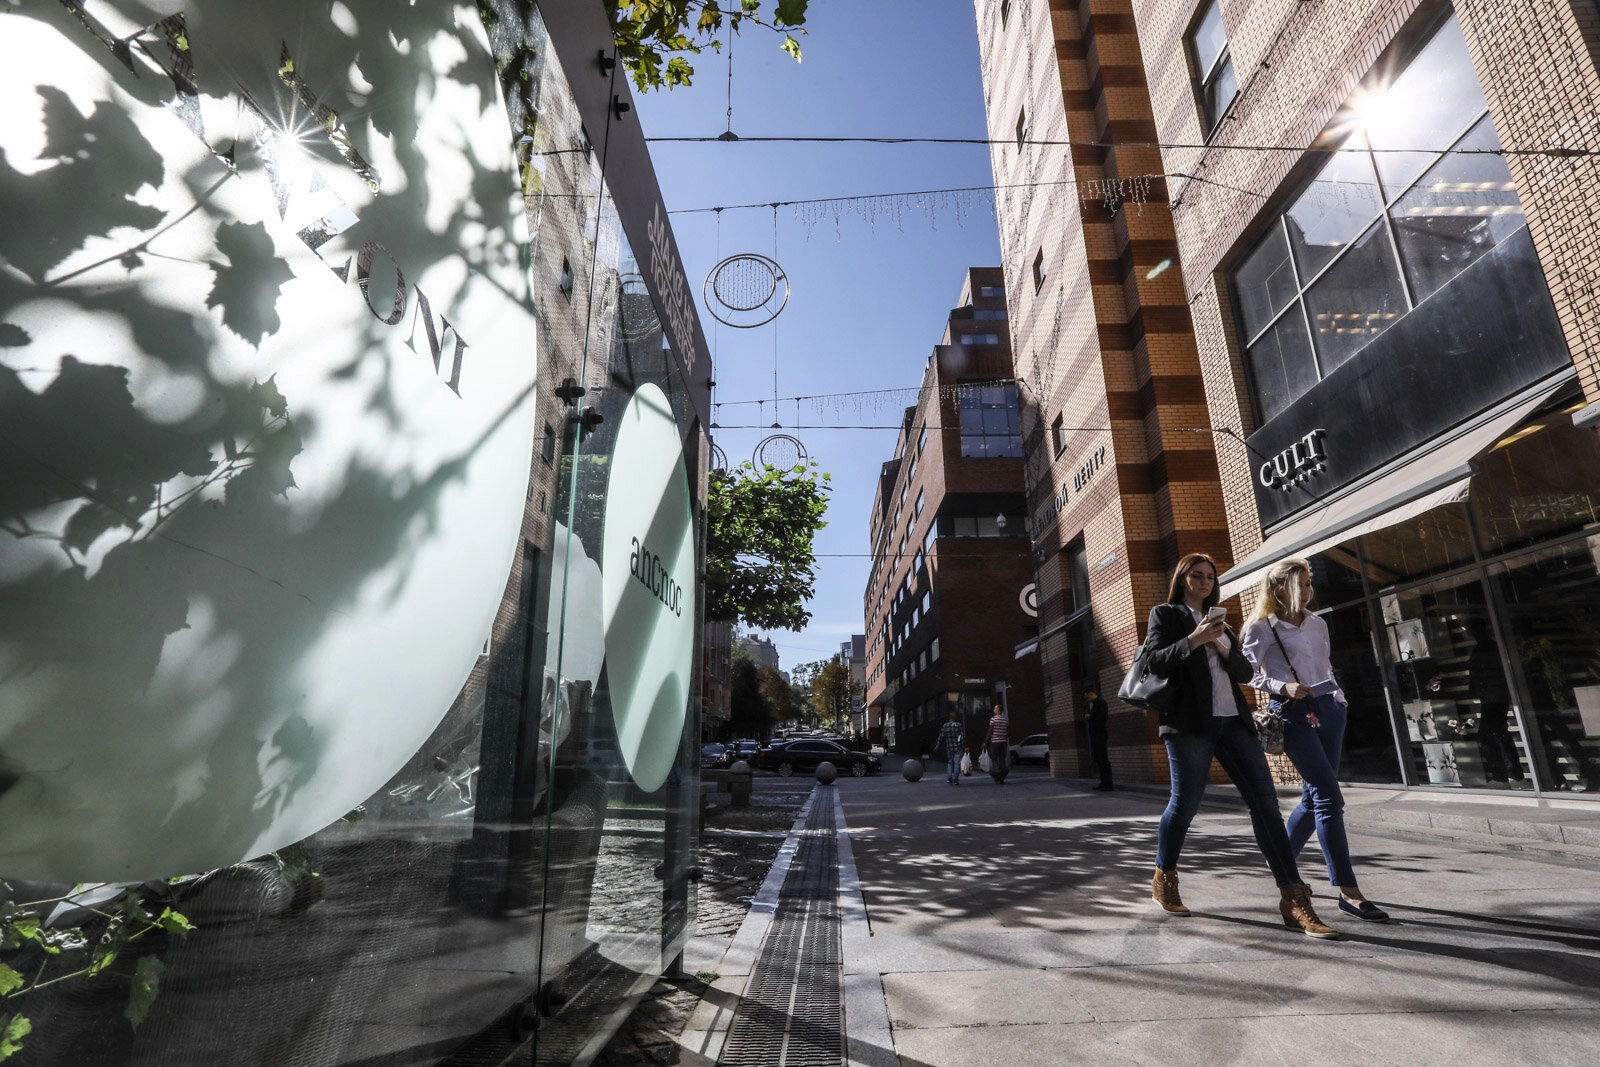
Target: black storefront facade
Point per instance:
(1416, 442)
(352, 467)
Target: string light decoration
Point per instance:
(780, 451)
(746, 290)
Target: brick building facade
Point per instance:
(1385, 210)
(1122, 477)
(946, 603)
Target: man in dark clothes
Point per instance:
(1095, 720)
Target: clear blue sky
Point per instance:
(869, 299)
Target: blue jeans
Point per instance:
(1314, 751)
(1236, 748)
(952, 766)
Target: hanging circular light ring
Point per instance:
(746, 290)
(781, 452)
(719, 459)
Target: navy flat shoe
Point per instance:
(1365, 910)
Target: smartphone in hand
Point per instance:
(1217, 613)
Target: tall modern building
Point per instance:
(948, 597)
(1387, 220)
(1121, 473)
(352, 434)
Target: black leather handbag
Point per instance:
(1143, 689)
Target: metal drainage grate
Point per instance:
(792, 1014)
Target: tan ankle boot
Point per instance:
(1164, 888)
(1297, 912)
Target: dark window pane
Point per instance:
(1460, 209)
(1541, 482)
(1552, 600)
(1220, 92)
(1339, 203)
(1356, 300)
(1265, 281)
(1427, 107)
(1281, 364)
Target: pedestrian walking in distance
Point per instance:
(953, 743)
(1094, 720)
(1290, 649)
(999, 746)
(1191, 646)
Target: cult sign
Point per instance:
(1296, 463)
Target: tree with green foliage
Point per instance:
(760, 528)
(776, 689)
(834, 690)
(655, 38)
(750, 713)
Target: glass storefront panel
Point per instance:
(1369, 749)
(353, 637)
(1281, 364)
(1265, 281)
(1452, 686)
(1356, 299)
(1552, 612)
(1341, 201)
(1435, 541)
(1540, 482)
(1457, 212)
(1427, 107)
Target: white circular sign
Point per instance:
(649, 578)
(1029, 599)
(268, 418)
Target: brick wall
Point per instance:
(1106, 342)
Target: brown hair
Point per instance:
(1185, 565)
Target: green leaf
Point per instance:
(13, 1028)
(146, 984)
(173, 922)
(9, 980)
(791, 46)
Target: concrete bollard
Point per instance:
(912, 770)
(739, 777)
(826, 772)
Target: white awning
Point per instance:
(1437, 473)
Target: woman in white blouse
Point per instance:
(1290, 650)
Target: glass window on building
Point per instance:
(1552, 615)
(1415, 174)
(1213, 67)
(980, 338)
(991, 423)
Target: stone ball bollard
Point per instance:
(826, 772)
(739, 783)
(912, 770)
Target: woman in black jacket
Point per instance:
(1209, 719)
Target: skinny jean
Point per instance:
(1236, 748)
(1314, 751)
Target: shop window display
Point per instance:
(1369, 750)
(1433, 542)
(1540, 482)
(1452, 686)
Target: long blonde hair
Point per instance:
(1279, 593)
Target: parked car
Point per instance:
(746, 750)
(803, 754)
(1035, 748)
(714, 755)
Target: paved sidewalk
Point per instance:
(1013, 924)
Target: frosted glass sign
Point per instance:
(649, 570)
(266, 372)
